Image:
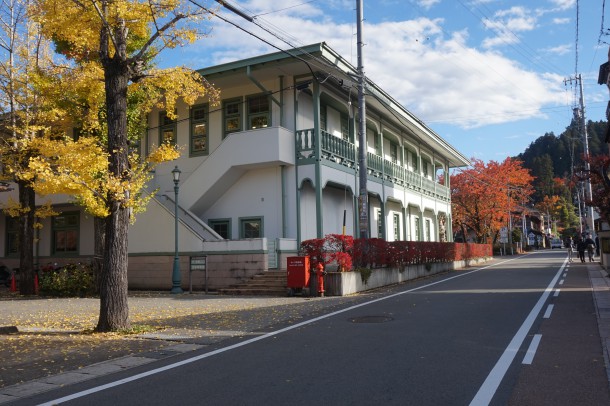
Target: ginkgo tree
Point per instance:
(483, 196)
(118, 41)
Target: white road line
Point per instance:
(549, 309)
(561, 281)
(556, 292)
(490, 386)
(531, 351)
(251, 340)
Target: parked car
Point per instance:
(556, 243)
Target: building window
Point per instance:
(259, 112)
(323, 119)
(379, 224)
(428, 229)
(222, 227)
(345, 127)
(167, 129)
(394, 153)
(199, 129)
(377, 144)
(396, 227)
(65, 233)
(416, 226)
(424, 167)
(231, 110)
(12, 236)
(251, 227)
(414, 160)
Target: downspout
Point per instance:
(296, 165)
(283, 180)
(318, 155)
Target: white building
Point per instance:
(274, 164)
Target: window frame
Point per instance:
(258, 114)
(194, 122)
(12, 230)
(242, 224)
(396, 225)
(237, 101)
(379, 224)
(223, 221)
(165, 123)
(416, 226)
(68, 227)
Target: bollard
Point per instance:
(36, 283)
(13, 283)
(320, 273)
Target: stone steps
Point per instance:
(271, 283)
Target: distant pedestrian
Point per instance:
(597, 245)
(590, 246)
(581, 247)
(570, 247)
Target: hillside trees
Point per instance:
(120, 39)
(483, 196)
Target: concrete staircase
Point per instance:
(270, 283)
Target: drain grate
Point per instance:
(371, 319)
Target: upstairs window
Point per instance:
(345, 127)
(394, 153)
(222, 227)
(231, 111)
(167, 129)
(199, 129)
(259, 112)
(251, 227)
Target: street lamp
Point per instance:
(176, 278)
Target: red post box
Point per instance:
(297, 272)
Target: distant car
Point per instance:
(556, 243)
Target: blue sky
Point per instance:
(486, 75)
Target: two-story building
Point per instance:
(274, 163)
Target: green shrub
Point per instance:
(73, 280)
(365, 274)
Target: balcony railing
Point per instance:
(339, 151)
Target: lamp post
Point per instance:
(176, 278)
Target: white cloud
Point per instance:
(441, 80)
(427, 4)
(559, 21)
(560, 49)
(506, 24)
(564, 4)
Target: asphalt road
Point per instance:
(459, 339)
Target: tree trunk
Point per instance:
(27, 199)
(114, 309)
(99, 232)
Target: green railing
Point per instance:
(337, 150)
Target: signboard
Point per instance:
(198, 263)
(504, 235)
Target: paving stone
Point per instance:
(66, 378)
(100, 369)
(184, 347)
(27, 389)
(129, 362)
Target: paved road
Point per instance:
(455, 340)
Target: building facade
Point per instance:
(273, 163)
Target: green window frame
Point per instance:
(251, 227)
(414, 160)
(377, 138)
(379, 224)
(65, 233)
(222, 227)
(394, 152)
(424, 167)
(396, 227)
(416, 225)
(12, 236)
(231, 116)
(259, 111)
(428, 227)
(323, 118)
(199, 116)
(345, 127)
(167, 129)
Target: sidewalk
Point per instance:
(600, 284)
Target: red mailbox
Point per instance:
(297, 272)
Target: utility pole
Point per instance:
(363, 205)
(579, 117)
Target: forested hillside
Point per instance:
(551, 156)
